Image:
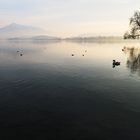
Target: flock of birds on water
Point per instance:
(114, 64)
(82, 54)
(21, 54)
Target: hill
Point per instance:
(17, 30)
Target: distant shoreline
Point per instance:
(100, 39)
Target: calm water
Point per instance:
(49, 94)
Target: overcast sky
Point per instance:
(71, 17)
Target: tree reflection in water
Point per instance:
(133, 58)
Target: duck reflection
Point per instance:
(133, 58)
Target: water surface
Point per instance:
(49, 94)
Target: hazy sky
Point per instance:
(71, 17)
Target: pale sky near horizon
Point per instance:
(70, 17)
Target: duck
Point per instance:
(116, 63)
(72, 55)
(83, 55)
(21, 54)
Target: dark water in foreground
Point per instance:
(47, 94)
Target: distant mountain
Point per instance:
(17, 30)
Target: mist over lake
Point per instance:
(48, 93)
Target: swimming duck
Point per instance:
(116, 63)
(72, 55)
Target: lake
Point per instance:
(69, 90)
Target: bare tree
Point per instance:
(134, 26)
(135, 20)
(127, 35)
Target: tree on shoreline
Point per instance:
(134, 32)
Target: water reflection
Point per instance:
(133, 58)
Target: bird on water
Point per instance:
(116, 63)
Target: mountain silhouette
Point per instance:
(17, 30)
